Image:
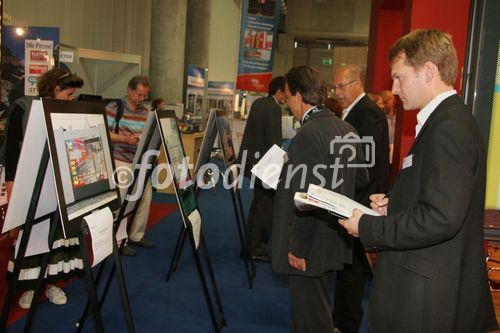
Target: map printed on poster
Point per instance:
(38, 56)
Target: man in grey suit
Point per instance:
(431, 271)
(370, 122)
(310, 245)
(262, 131)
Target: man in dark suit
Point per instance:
(431, 272)
(370, 122)
(262, 131)
(309, 245)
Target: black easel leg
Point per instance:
(177, 252)
(123, 289)
(203, 280)
(9, 298)
(249, 267)
(253, 268)
(54, 221)
(80, 323)
(213, 281)
(30, 216)
(89, 282)
(242, 211)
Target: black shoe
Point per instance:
(261, 257)
(142, 243)
(127, 251)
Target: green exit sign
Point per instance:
(326, 61)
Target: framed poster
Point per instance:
(208, 142)
(226, 138)
(80, 151)
(178, 164)
(146, 153)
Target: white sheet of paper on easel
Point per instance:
(38, 242)
(195, 220)
(100, 225)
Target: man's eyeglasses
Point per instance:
(342, 86)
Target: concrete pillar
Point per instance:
(168, 35)
(198, 32)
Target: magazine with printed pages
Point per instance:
(336, 203)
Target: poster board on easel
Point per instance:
(218, 126)
(37, 168)
(83, 171)
(144, 158)
(33, 207)
(79, 146)
(186, 198)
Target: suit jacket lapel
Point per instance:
(444, 104)
(352, 114)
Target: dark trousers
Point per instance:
(260, 220)
(311, 308)
(349, 288)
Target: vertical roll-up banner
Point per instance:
(258, 36)
(493, 175)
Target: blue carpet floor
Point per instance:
(179, 305)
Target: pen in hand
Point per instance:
(379, 202)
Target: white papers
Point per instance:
(101, 233)
(39, 239)
(195, 220)
(335, 203)
(121, 233)
(268, 169)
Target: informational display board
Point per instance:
(208, 142)
(226, 137)
(80, 151)
(143, 156)
(179, 166)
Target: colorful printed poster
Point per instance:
(259, 29)
(38, 60)
(86, 161)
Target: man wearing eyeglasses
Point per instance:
(370, 122)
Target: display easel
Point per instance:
(211, 132)
(19, 260)
(184, 190)
(128, 209)
(42, 142)
(88, 278)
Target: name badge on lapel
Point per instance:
(408, 161)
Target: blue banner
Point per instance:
(258, 36)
